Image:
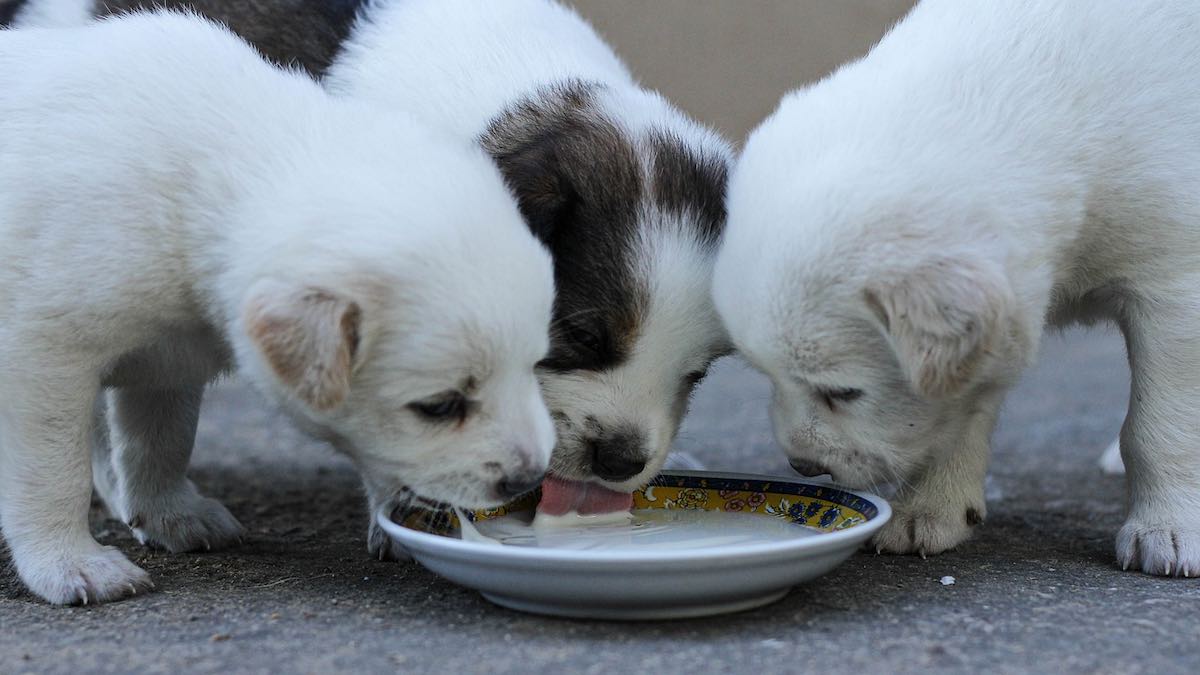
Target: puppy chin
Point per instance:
(855, 478)
(463, 493)
(874, 473)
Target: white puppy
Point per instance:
(627, 192)
(160, 220)
(901, 232)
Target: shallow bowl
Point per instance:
(647, 584)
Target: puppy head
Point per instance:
(883, 314)
(408, 334)
(874, 374)
(629, 198)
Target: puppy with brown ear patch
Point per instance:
(901, 233)
(161, 223)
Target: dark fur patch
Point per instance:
(304, 33)
(690, 185)
(973, 517)
(578, 181)
(8, 10)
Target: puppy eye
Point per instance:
(451, 405)
(832, 397)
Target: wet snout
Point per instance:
(617, 455)
(531, 442)
(808, 454)
(521, 477)
(808, 468)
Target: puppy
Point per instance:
(626, 191)
(901, 233)
(161, 222)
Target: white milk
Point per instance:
(656, 529)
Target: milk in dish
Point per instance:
(641, 530)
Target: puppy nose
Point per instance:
(807, 468)
(518, 483)
(617, 457)
(617, 468)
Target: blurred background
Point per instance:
(729, 62)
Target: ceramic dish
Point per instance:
(628, 583)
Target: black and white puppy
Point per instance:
(625, 190)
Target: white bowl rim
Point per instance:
(447, 546)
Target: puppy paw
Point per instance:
(184, 520)
(382, 547)
(101, 574)
(926, 530)
(1159, 548)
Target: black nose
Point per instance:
(618, 457)
(518, 484)
(807, 468)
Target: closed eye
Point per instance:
(833, 397)
(450, 406)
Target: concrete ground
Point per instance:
(1037, 590)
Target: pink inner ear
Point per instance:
(310, 339)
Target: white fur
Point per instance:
(170, 206)
(906, 228)
(460, 63)
(1111, 462)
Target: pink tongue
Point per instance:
(561, 496)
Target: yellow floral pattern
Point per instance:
(820, 507)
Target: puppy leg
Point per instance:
(152, 433)
(379, 544)
(104, 474)
(45, 424)
(939, 510)
(1160, 444)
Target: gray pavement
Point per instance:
(1037, 589)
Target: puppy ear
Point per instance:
(309, 337)
(544, 192)
(944, 319)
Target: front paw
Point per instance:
(1159, 547)
(926, 528)
(394, 503)
(184, 520)
(96, 574)
(383, 548)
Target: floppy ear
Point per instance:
(944, 319)
(309, 337)
(544, 192)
